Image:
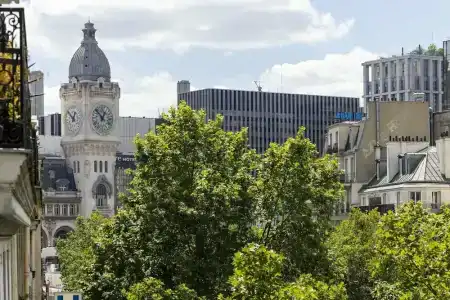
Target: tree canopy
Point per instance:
(199, 195)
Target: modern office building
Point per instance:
(129, 127)
(36, 85)
(408, 77)
(270, 117)
(50, 124)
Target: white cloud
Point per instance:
(180, 24)
(148, 97)
(334, 75)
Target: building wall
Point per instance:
(271, 117)
(36, 86)
(50, 124)
(395, 120)
(129, 127)
(403, 191)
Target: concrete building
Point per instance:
(365, 149)
(406, 77)
(20, 193)
(36, 85)
(129, 127)
(270, 117)
(50, 125)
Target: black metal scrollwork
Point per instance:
(15, 117)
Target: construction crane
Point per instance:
(258, 85)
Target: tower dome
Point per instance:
(89, 62)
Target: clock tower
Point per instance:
(90, 111)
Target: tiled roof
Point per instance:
(423, 168)
(57, 173)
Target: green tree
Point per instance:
(296, 191)
(76, 253)
(258, 276)
(412, 253)
(188, 212)
(153, 289)
(350, 250)
(195, 198)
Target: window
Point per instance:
(72, 210)
(95, 166)
(100, 166)
(398, 199)
(436, 200)
(106, 167)
(57, 210)
(78, 166)
(74, 166)
(101, 195)
(49, 209)
(64, 210)
(415, 196)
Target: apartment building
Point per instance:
(362, 147)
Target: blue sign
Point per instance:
(349, 116)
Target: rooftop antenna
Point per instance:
(258, 85)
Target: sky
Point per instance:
(299, 46)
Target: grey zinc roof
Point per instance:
(56, 172)
(89, 62)
(424, 169)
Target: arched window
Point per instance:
(64, 210)
(100, 166)
(101, 196)
(74, 166)
(106, 166)
(95, 166)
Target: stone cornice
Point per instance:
(90, 148)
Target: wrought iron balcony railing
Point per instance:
(382, 208)
(16, 128)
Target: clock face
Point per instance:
(73, 120)
(102, 119)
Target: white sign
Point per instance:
(68, 296)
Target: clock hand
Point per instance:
(71, 117)
(99, 114)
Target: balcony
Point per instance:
(382, 208)
(347, 177)
(20, 192)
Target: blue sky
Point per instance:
(299, 46)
